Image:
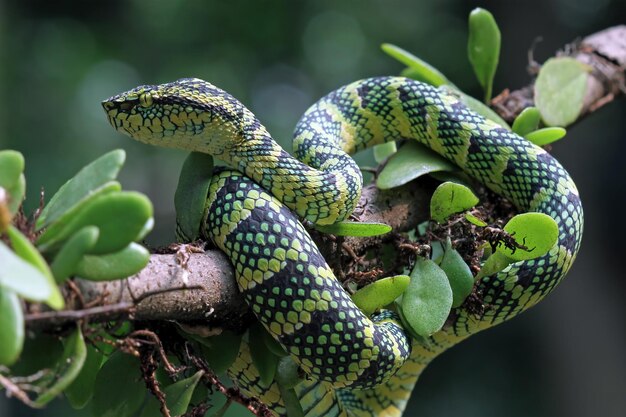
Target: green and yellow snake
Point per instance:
(355, 365)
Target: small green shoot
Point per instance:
(483, 48)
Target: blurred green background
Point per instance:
(59, 59)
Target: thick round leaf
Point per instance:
(11, 167)
(263, 359)
(221, 351)
(11, 327)
(537, 231)
(420, 70)
(25, 250)
(526, 121)
(560, 90)
(120, 216)
(459, 275)
(88, 179)
(384, 151)
(26, 280)
(16, 193)
(119, 390)
(546, 135)
(23, 278)
(130, 260)
(65, 262)
(81, 390)
(483, 48)
(67, 368)
(51, 232)
(361, 229)
(427, 300)
(191, 193)
(380, 293)
(411, 161)
(450, 198)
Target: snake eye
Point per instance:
(145, 100)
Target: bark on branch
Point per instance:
(204, 289)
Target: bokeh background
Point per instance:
(59, 59)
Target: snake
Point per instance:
(354, 365)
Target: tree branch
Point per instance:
(204, 289)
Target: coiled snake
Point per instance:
(355, 365)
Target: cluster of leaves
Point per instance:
(88, 229)
(435, 286)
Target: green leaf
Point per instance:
(560, 90)
(120, 217)
(11, 327)
(494, 264)
(17, 194)
(378, 294)
(190, 197)
(361, 229)
(384, 151)
(483, 48)
(546, 135)
(119, 390)
(273, 345)
(263, 359)
(67, 369)
(66, 261)
(117, 265)
(177, 397)
(89, 178)
(23, 278)
(25, 250)
(287, 377)
(80, 391)
(419, 70)
(450, 198)
(288, 372)
(526, 121)
(537, 231)
(179, 393)
(41, 351)
(459, 274)
(220, 351)
(411, 161)
(67, 217)
(12, 177)
(476, 105)
(11, 167)
(427, 301)
(475, 220)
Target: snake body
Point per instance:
(355, 365)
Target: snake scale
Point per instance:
(355, 365)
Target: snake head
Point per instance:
(188, 113)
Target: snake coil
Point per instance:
(355, 365)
